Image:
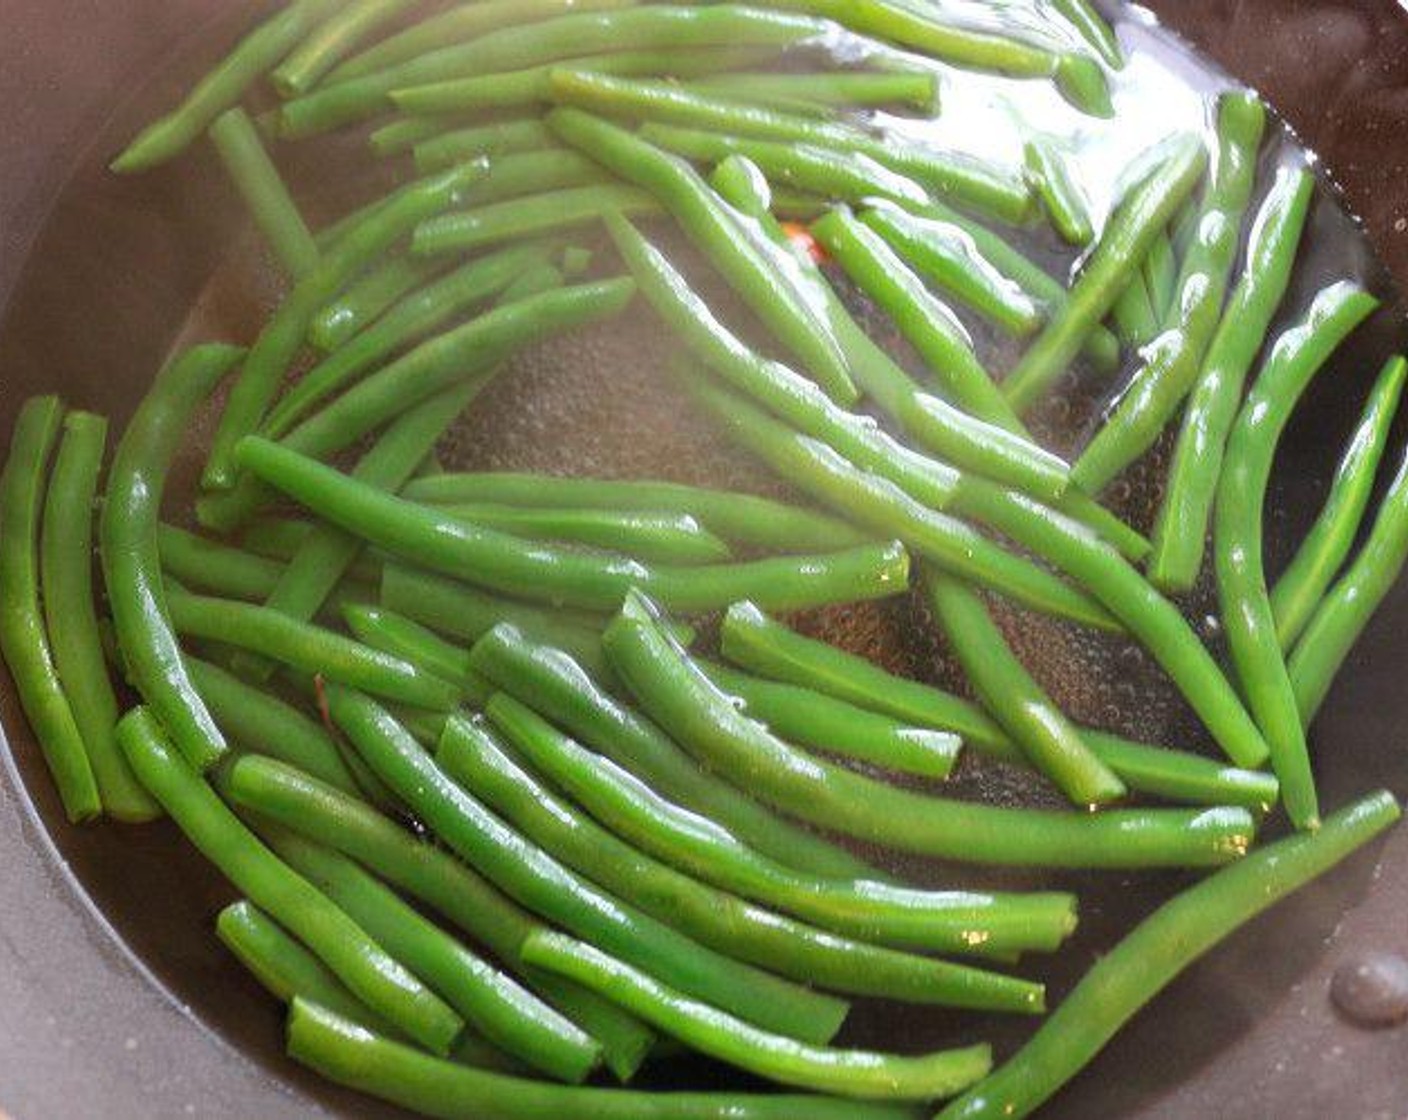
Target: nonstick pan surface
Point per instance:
(116, 1001)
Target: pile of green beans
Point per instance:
(519, 782)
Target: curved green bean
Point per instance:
(351, 1056)
(23, 638)
(1298, 354)
(941, 921)
(847, 1073)
(663, 538)
(70, 613)
(715, 918)
(1094, 29)
(278, 343)
(1159, 948)
(1181, 531)
(491, 1002)
(1302, 585)
(743, 519)
(993, 190)
(309, 648)
(443, 299)
(1016, 700)
(810, 719)
(290, 899)
(1345, 611)
(1145, 211)
(534, 878)
(1061, 196)
(591, 581)
(816, 468)
(222, 87)
(674, 691)
(510, 48)
(265, 194)
(1171, 364)
(432, 876)
(128, 544)
(751, 640)
(333, 41)
(554, 685)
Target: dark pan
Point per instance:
(115, 1001)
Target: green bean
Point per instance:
(1133, 313)
(723, 235)
(432, 876)
(943, 921)
(919, 90)
(308, 648)
(1299, 353)
(1018, 703)
(400, 637)
(328, 552)
(993, 190)
(530, 216)
(446, 148)
(1172, 362)
(367, 300)
(724, 922)
(362, 1060)
(517, 89)
(1094, 29)
(128, 542)
(666, 538)
(674, 691)
(535, 172)
(742, 519)
(764, 647)
(910, 233)
(1060, 194)
(1181, 531)
(265, 194)
(1145, 210)
(438, 302)
(321, 51)
(809, 719)
(70, 614)
(1346, 609)
(537, 880)
(222, 87)
(404, 134)
(23, 638)
(269, 359)
(590, 581)
(1153, 620)
(1158, 949)
(470, 350)
(260, 721)
(464, 612)
(209, 565)
(818, 469)
(554, 685)
(277, 538)
(507, 49)
(506, 1014)
(1160, 267)
(290, 899)
(847, 1073)
(1302, 586)
(928, 324)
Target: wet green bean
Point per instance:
(331, 42)
(651, 537)
(502, 138)
(1061, 196)
(529, 216)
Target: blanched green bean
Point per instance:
(722, 921)
(942, 921)
(399, 636)
(677, 693)
(530, 216)
(330, 43)
(1158, 949)
(664, 538)
(839, 88)
(209, 565)
(1298, 354)
(446, 148)
(23, 638)
(847, 1073)
(1145, 211)
(366, 301)
(554, 685)
(1301, 587)
(1065, 204)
